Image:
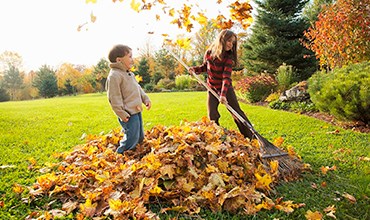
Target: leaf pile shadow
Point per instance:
(183, 168)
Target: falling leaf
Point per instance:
(92, 18)
(90, 1)
(135, 5)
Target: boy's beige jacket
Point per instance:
(124, 93)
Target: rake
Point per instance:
(289, 167)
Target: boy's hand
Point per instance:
(126, 119)
(148, 105)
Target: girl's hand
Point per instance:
(223, 100)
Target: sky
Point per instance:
(44, 32)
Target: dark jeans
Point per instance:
(133, 133)
(214, 115)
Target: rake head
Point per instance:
(289, 167)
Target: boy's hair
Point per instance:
(118, 50)
(217, 48)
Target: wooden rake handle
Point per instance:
(235, 113)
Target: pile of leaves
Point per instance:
(183, 168)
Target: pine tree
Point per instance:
(276, 39)
(46, 82)
(143, 71)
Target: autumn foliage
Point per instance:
(183, 168)
(341, 34)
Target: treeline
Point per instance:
(288, 42)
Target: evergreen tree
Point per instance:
(101, 71)
(46, 82)
(143, 71)
(13, 81)
(276, 39)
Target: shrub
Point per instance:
(344, 92)
(149, 87)
(285, 77)
(183, 82)
(165, 84)
(256, 88)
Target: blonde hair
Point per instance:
(217, 47)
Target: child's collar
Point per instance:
(118, 66)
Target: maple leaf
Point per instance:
(184, 43)
(135, 5)
(263, 182)
(201, 19)
(313, 215)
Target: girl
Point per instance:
(217, 63)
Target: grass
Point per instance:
(32, 131)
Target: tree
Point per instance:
(68, 77)
(341, 35)
(4, 96)
(13, 81)
(46, 82)
(275, 39)
(312, 10)
(9, 58)
(100, 73)
(143, 71)
(165, 64)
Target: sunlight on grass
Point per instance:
(35, 130)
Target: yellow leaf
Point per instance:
(202, 19)
(138, 78)
(88, 208)
(263, 182)
(171, 12)
(155, 190)
(90, 1)
(313, 215)
(92, 18)
(183, 43)
(18, 189)
(135, 5)
(278, 141)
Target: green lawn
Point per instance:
(35, 130)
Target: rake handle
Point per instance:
(235, 113)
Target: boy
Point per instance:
(126, 97)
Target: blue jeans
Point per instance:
(133, 133)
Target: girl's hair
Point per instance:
(217, 48)
(118, 50)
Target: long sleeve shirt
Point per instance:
(218, 71)
(124, 93)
